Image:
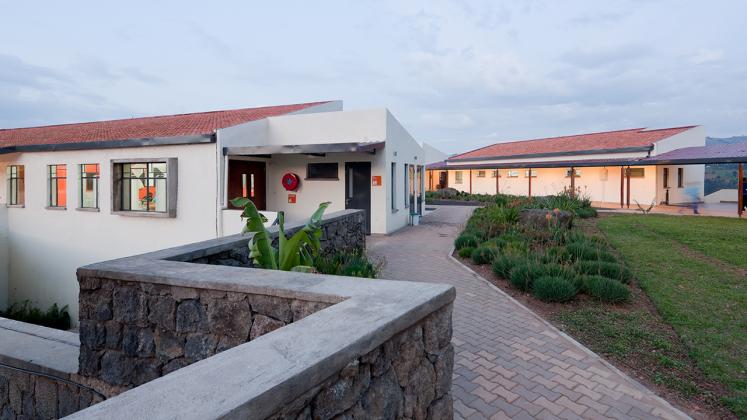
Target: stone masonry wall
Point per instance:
(28, 395)
(344, 234)
(407, 377)
(132, 333)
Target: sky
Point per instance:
(458, 74)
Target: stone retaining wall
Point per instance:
(409, 376)
(132, 333)
(28, 395)
(344, 233)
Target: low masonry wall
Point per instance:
(165, 335)
(38, 373)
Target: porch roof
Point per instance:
(347, 147)
(722, 153)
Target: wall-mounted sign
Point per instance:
(291, 198)
(376, 180)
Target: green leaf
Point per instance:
(304, 269)
(260, 246)
(304, 245)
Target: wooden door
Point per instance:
(247, 179)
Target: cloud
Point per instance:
(606, 56)
(599, 18)
(448, 120)
(706, 56)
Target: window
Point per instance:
(16, 193)
(533, 172)
(394, 186)
(89, 186)
(577, 173)
(637, 172)
(458, 177)
(144, 187)
(411, 191)
(513, 174)
(322, 171)
(494, 174)
(57, 186)
(481, 174)
(666, 177)
(680, 177)
(406, 189)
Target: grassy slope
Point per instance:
(705, 301)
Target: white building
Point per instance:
(80, 193)
(610, 167)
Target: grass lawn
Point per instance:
(694, 269)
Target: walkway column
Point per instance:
(573, 182)
(740, 192)
(627, 177)
(530, 182)
(622, 186)
(497, 186)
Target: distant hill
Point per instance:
(721, 176)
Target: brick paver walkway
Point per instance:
(509, 363)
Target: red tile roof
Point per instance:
(198, 123)
(608, 140)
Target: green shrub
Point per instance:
(606, 290)
(520, 275)
(54, 317)
(586, 212)
(483, 255)
(465, 240)
(556, 254)
(610, 270)
(554, 289)
(503, 263)
(586, 251)
(347, 264)
(466, 252)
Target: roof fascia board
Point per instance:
(303, 148)
(112, 144)
(573, 153)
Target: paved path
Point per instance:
(509, 363)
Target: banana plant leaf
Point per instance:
(301, 248)
(260, 246)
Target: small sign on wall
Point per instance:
(376, 180)
(291, 199)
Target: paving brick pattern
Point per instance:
(509, 363)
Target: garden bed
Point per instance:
(631, 335)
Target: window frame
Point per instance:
(665, 177)
(20, 186)
(172, 183)
(53, 201)
(82, 178)
(481, 174)
(631, 175)
(394, 187)
(494, 173)
(512, 173)
(406, 189)
(458, 177)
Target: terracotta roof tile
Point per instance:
(634, 137)
(145, 127)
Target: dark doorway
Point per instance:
(358, 188)
(443, 179)
(247, 179)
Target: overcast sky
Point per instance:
(457, 74)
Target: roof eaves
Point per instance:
(112, 144)
(647, 148)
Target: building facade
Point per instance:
(80, 193)
(612, 167)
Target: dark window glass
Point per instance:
(142, 186)
(394, 186)
(322, 171)
(680, 177)
(666, 177)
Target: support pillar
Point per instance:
(622, 186)
(573, 182)
(627, 177)
(740, 192)
(530, 181)
(497, 186)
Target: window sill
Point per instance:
(55, 208)
(144, 214)
(15, 206)
(91, 209)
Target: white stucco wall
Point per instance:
(693, 137)
(693, 181)
(4, 257)
(401, 149)
(46, 246)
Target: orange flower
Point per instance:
(548, 216)
(556, 211)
